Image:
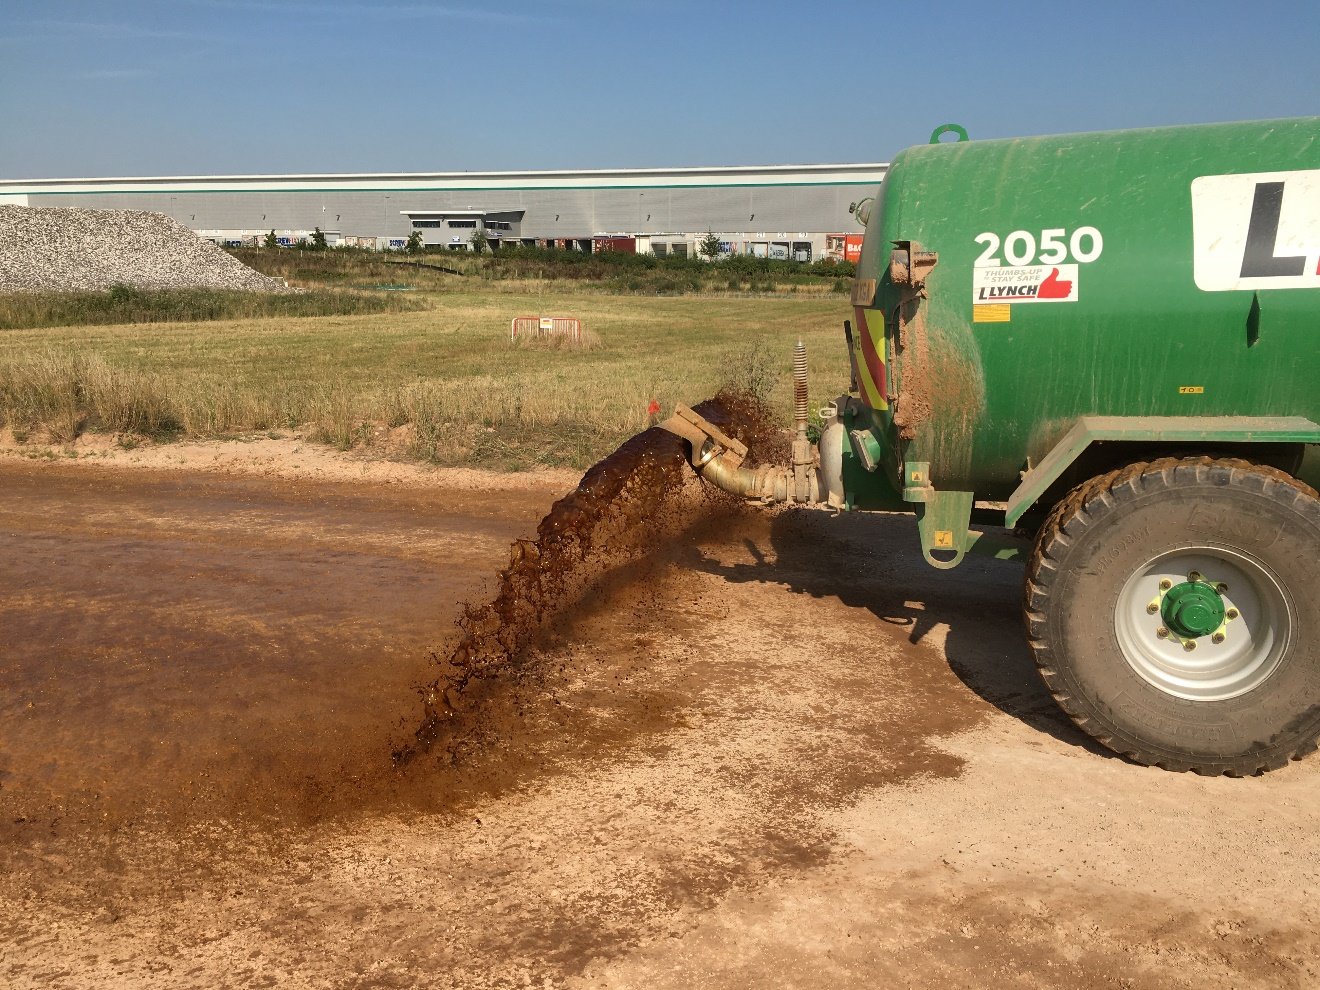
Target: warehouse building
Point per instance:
(800, 212)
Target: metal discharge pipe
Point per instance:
(718, 458)
(765, 484)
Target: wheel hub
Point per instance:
(1203, 623)
(1193, 609)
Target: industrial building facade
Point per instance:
(800, 212)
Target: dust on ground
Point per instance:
(779, 752)
(286, 456)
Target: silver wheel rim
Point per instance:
(1243, 653)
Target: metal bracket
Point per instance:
(909, 265)
(698, 431)
(1171, 429)
(943, 519)
(916, 481)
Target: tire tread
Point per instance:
(1070, 518)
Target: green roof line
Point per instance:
(5, 191)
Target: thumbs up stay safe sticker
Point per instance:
(1024, 284)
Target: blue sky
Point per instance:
(148, 87)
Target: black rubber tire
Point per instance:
(1098, 536)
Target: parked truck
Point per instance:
(1109, 346)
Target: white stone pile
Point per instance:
(70, 250)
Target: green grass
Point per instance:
(610, 272)
(448, 375)
(349, 268)
(122, 304)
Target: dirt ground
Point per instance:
(783, 752)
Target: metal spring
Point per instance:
(800, 385)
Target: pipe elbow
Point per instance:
(764, 484)
(733, 478)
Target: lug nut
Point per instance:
(1189, 645)
(1194, 576)
(1165, 584)
(1152, 608)
(1217, 638)
(1221, 588)
(1232, 613)
(1161, 632)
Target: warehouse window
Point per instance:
(462, 223)
(417, 224)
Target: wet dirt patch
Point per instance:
(776, 749)
(199, 645)
(659, 748)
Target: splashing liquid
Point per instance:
(613, 516)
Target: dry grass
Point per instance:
(449, 375)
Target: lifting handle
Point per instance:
(943, 129)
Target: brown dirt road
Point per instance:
(783, 753)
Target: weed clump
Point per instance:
(65, 395)
(752, 371)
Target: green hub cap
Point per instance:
(1192, 609)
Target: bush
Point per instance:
(833, 268)
(751, 371)
(611, 271)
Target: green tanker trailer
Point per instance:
(1113, 339)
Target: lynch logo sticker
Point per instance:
(1256, 231)
(1028, 284)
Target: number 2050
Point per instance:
(1055, 246)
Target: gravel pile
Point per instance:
(67, 250)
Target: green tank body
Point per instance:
(1112, 342)
(1008, 288)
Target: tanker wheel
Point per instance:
(1172, 609)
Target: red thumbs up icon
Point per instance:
(1054, 287)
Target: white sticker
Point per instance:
(1256, 231)
(1028, 284)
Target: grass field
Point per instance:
(123, 304)
(444, 383)
(533, 269)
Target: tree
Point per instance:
(318, 240)
(478, 240)
(271, 241)
(414, 244)
(709, 246)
